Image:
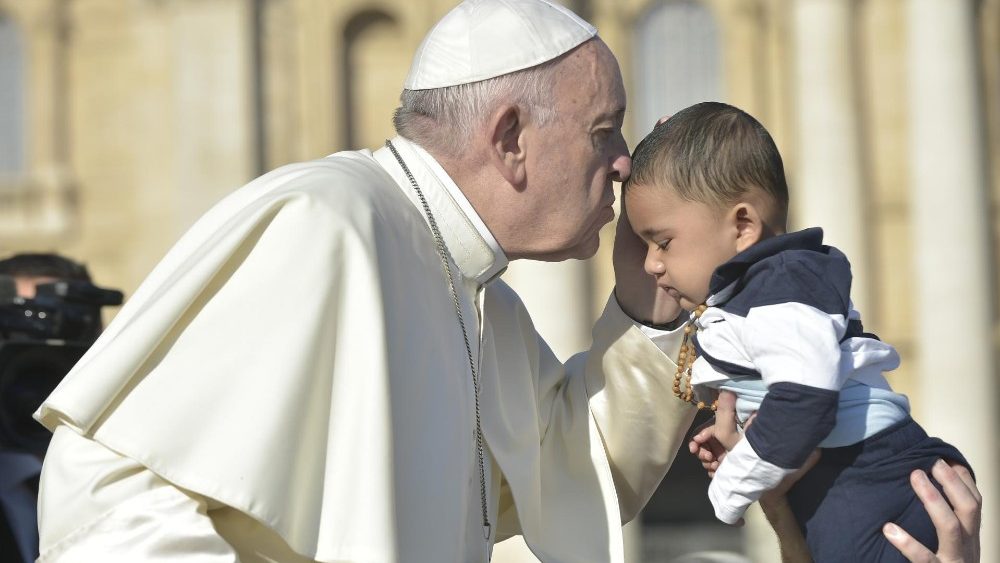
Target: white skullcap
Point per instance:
(481, 39)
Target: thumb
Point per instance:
(726, 431)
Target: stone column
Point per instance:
(950, 207)
(557, 296)
(213, 91)
(43, 210)
(826, 180)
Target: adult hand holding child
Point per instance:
(956, 514)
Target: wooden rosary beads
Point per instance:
(684, 362)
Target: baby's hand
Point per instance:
(714, 438)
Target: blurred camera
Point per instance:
(41, 338)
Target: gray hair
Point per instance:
(444, 119)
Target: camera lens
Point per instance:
(28, 374)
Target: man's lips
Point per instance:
(607, 214)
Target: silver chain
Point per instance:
(443, 254)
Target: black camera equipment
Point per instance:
(40, 340)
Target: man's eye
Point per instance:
(605, 133)
(662, 245)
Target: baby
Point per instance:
(772, 321)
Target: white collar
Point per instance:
(471, 244)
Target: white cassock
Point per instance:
(290, 384)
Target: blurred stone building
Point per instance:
(122, 121)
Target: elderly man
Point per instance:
(327, 368)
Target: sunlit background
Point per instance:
(122, 121)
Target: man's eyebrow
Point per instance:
(617, 114)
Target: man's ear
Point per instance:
(507, 143)
(748, 223)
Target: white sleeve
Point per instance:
(628, 374)
(608, 427)
(740, 480)
(668, 341)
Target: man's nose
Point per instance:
(621, 162)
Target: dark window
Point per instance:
(12, 107)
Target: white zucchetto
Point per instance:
(480, 39)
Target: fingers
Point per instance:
(943, 517)
(703, 435)
(704, 445)
(910, 548)
(957, 528)
(706, 448)
(952, 533)
(966, 476)
(726, 430)
(711, 442)
(727, 406)
(709, 458)
(962, 493)
(662, 120)
(958, 485)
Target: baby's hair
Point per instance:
(711, 153)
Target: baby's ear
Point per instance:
(748, 223)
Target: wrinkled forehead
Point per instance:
(606, 71)
(590, 78)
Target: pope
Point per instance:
(327, 366)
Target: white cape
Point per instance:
(296, 356)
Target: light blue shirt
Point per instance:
(862, 411)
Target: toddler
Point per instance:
(772, 321)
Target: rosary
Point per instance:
(685, 359)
